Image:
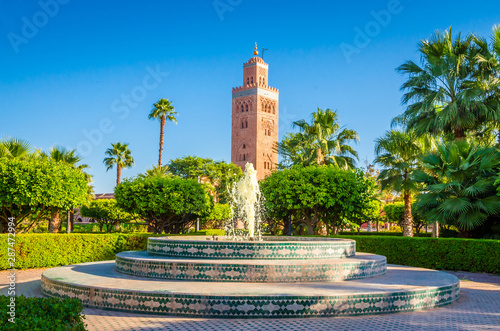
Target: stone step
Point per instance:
(99, 285)
(272, 248)
(315, 270)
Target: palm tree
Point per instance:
(119, 155)
(398, 153)
(163, 110)
(441, 95)
(325, 142)
(292, 149)
(15, 148)
(488, 78)
(460, 184)
(157, 171)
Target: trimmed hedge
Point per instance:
(385, 233)
(474, 255)
(52, 250)
(46, 250)
(42, 314)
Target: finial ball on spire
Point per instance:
(255, 52)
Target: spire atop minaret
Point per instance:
(255, 51)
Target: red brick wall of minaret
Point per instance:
(255, 120)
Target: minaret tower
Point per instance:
(255, 119)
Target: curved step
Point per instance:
(99, 285)
(272, 248)
(318, 270)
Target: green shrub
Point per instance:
(382, 233)
(210, 232)
(43, 314)
(51, 250)
(474, 255)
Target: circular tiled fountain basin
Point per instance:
(99, 285)
(315, 270)
(272, 248)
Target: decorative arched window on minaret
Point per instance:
(256, 144)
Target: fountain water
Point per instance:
(246, 206)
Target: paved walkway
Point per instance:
(477, 309)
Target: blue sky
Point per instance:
(84, 74)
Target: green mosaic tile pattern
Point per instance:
(247, 250)
(252, 306)
(143, 265)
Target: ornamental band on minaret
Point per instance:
(255, 119)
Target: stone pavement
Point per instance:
(477, 309)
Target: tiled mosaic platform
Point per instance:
(99, 285)
(314, 270)
(272, 248)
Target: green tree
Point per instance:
(293, 149)
(223, 175)
(163, 110)
(167, 203)
(459, 185)
(398, 152)
(218, 217)
(106, 213)
(120, 156)
(487, 75)
(322, 141)
(31, 189)
(395, 212)
(220, 174)
(367, 212)
(309, 195)
(69, 157)
(440, 94)
(190, 166)
(157, 171)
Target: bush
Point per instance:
(43, 314)
(210, 232)
(384, 233)
(167, 203)
(474, 255)
(51, 250)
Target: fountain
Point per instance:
(251, 276)
(246, 206)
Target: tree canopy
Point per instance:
(320, 142)
(166, 203)
(441, 94)
(312, 194)
(220, 174)
(107, 213)
(30, 189)
(120, 156)
(459, 183)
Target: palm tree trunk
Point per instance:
(54, 222)
(118, 173)
(458, 133)
(435, 230)
(162, 133)
(407, 217)
(320, 158)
